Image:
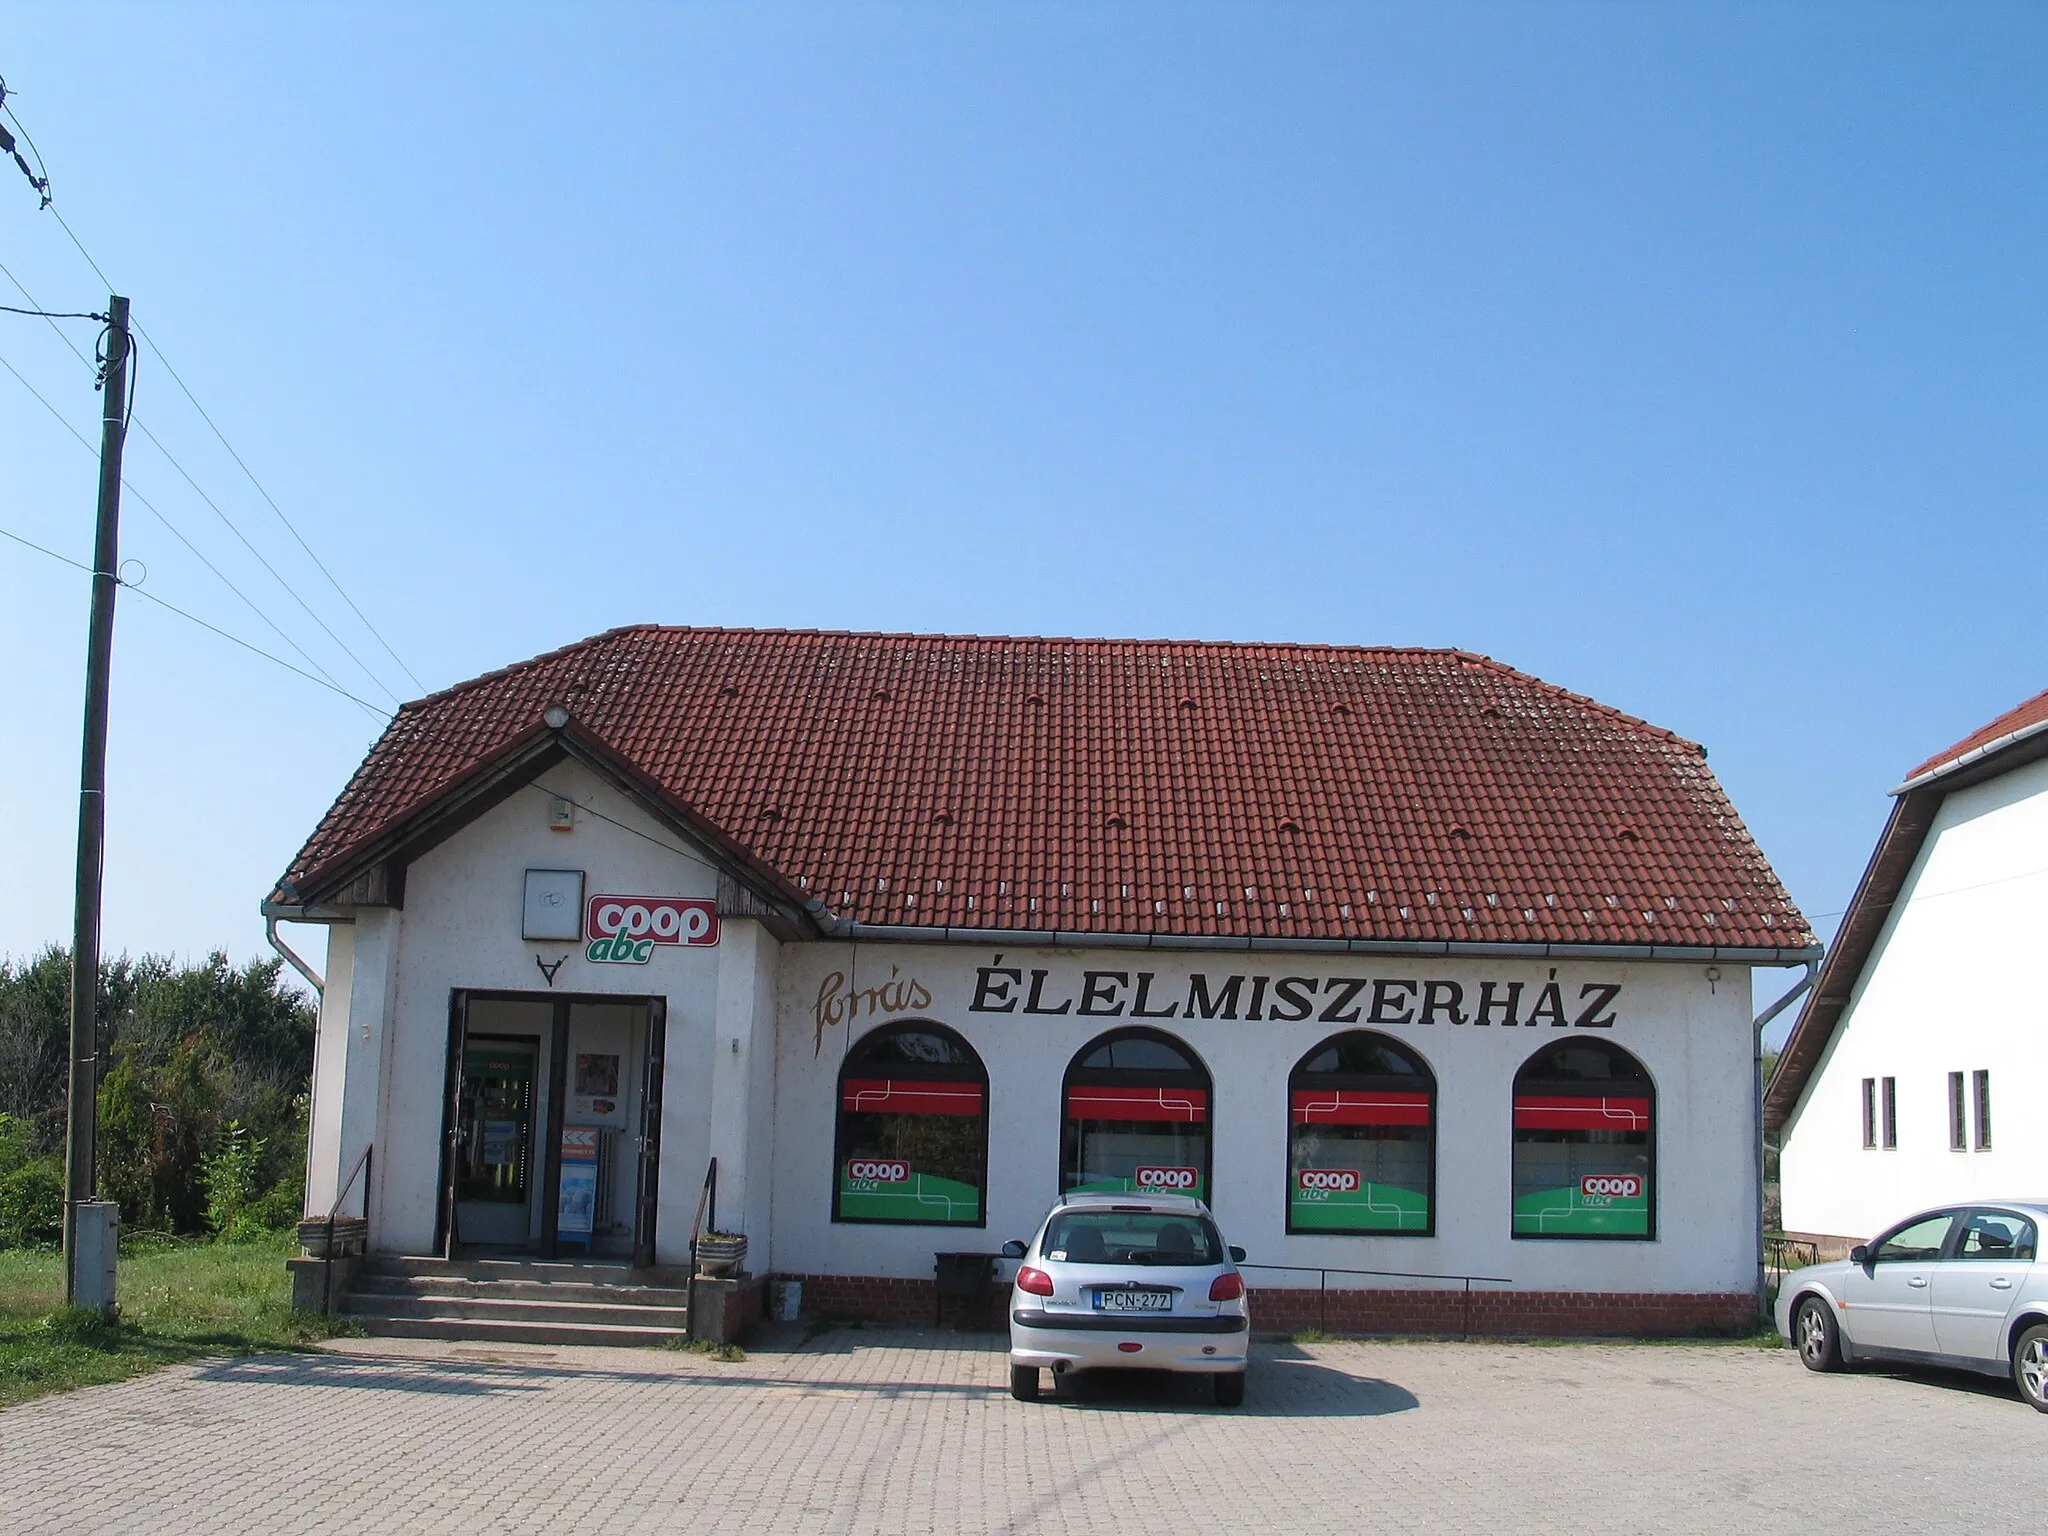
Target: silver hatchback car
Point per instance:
(1134, 1281)
(1961, 1286)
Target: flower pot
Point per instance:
(349, 1232)
(720, 1255)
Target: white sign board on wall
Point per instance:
(554, 904)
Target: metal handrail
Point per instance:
(706, 1196)
(1324, 1271)
(327, 1272)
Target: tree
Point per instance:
(188, 1052)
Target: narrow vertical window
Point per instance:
(1891, 1113)
(1956, 1139)
(1870, 1112)
(1982, 1084)
(912, 1144)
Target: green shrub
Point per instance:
(229, 1179)
(31, 1192)
(277, 1211)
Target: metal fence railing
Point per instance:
(1323, 1273)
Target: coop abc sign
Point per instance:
(863, 1170)
(1602, 1187)
(623, 930)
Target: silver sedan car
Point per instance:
(1962, 1286)
(1135, 1281)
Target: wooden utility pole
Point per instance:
(82, 1129)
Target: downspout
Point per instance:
(292, 958)
(1756, 1091)
(318, 983)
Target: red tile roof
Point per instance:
(1135, 787)
(2033, 712)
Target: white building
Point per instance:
(1407, 962)
(1908, 1079)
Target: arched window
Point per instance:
(1361, 1141)
(1585, 1154)
(912, 1144)
(1136, 1116)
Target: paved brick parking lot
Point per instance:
(904, 1432)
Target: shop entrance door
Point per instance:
(551, 1133)
(497, 1139)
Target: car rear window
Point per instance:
(1131, 1237)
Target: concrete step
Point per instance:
(571, 1271)
(540, 1291)
(485, 1330)
(510, 1310)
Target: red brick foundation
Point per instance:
(1497, 1310)
(1493, 1310)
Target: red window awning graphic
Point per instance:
(1542, 1112)
(909, 1096)
(1187, 1106)
(1358, 1106)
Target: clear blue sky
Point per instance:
(1690, 357)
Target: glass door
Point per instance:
(497, 1145)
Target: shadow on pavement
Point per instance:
(1969, 1382)
(1274, 1389)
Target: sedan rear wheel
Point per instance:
(1024, 1383)
(2030, 1366)
(1819, 1340)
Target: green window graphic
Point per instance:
(1135, 1116)
(912, 1142)
(1361, 1112)
(1584, 1144)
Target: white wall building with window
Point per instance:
(1909, 1078)
(1415, 968)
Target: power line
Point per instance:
(42, 186)
(242, 465)
(260, 560)
(180, 537)
(139, 591)
(217, 512)
(290, 527)
(47, 314)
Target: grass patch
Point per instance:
(710, 1347)
(178, 1301)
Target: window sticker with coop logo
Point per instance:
(1361, 1160)
(916, 1148)
(1582, 1166)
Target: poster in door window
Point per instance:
(578, 1207)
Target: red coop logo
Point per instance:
(871, 1170)
(1168, 1178)
(1610, 1186)
(625, 929)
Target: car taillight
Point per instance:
(1226, 1287)
(1036, 1281)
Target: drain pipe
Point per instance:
(1756, 1089)
(292, 958)
(318, 983)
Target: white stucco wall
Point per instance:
(461, 928)
(1952, 986)
(752, 1076)
(1694, 1038)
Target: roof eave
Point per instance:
(910, 933)
(1997, 746)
